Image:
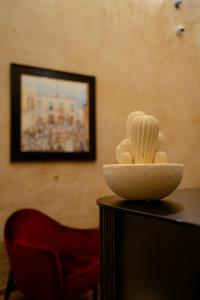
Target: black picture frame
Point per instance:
(52, 115)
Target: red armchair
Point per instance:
(50, 261)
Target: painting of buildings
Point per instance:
(54, 115)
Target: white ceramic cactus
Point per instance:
(130, 119)
(161, 141)
(144, 142)
(160, 157)
(126, 158)
(144, 136)
(124, 152)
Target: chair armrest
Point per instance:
(36, 270)
(83, 241)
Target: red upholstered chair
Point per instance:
(50, 261)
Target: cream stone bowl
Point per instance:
(143, 181)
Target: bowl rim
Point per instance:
(144, 165)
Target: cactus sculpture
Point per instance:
(130, 120)
(160, 157)
(144, 138)
(124, 152)
(161, 141)
(144, 142)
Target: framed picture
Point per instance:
(52, 115)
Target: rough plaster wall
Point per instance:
(139, 63)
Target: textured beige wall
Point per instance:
(139, 63)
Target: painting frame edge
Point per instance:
(16, 71)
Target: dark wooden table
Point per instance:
(151, 250)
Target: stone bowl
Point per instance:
(143, 181)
